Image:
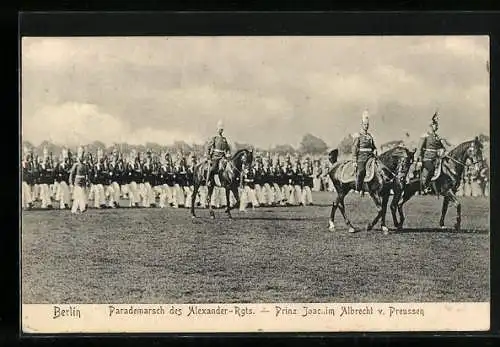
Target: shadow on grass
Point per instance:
(236, 218)
(441, 231)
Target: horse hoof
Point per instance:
(456, 227)
(193, 216)
(368, 227)
(385, 230)
(331, 226)
(351, 230)
(442, 227)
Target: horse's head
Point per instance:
(242, 156)
(399, 160)
(470, 151)
(333, 156)
(475, 153)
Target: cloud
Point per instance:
(267, 89)
(74, 123)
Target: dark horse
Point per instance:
(390, 173)
(453, 165)
(229, 178)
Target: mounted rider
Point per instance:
(430, 150)
(363, 149)
(217, 149)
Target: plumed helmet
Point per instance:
(220, 125)
(64, 153)
(80, 152)
(45, 152)
(435, 118)
(365, 117)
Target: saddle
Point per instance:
(437, 169)
(220, 169)
(347, 173)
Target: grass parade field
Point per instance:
(279, 254)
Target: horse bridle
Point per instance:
(459, 162)
(400, 165)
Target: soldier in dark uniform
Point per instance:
(429, 153)
(218, 148)
(363, 149)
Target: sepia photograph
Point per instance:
(222, 176)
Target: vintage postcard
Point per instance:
(255, 184)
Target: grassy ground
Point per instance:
(282, 254)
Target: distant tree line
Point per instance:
(309, 144)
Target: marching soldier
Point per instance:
(363, 149)
(296, 183)
(247, 185)
(78, 178)
(27, 180)
(484, 175)
(267, 181)
(258, 181)
(46, 179)
(146, 188)
(287, 186)
(62, 177)
(278, 178)
(307, 184)
(431, 144)
(115, 175)
(317, 174)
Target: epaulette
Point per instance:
(355, 135)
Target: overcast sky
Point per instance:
(267, 90)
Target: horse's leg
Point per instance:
(209, 199)
(234, 189)
(193, 197)
(378, 203)
(407, 193)
(331, 222)
(458, 206)
(342, 192)
(394, 207)
(385, 201)
(228, 202)
(444, 209)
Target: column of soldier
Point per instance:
(150, 180)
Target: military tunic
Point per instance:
(363, 149)
(430, 145)
(218, 147)
(78, 175)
